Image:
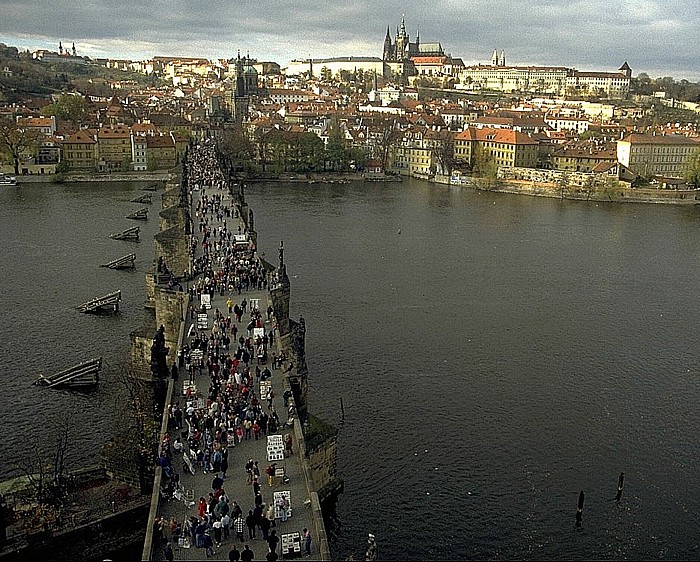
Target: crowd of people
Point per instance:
(231, 355)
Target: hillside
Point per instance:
(22, 76)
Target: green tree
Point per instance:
(611, 188)
(486, 168)
(68, 107)
(326, 74)
(336, 153)
(692, 169)
(238, 148)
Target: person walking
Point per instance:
(306, 539)
(169, 554)
(208, 544)
(251, 523)
(273, 540)
(239, 526)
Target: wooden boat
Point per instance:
(85, 374)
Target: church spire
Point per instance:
(74, 48)
(60, 48)
(403, 26)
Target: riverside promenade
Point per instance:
(215, 390)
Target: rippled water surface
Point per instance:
(54, 238)
(495, 356)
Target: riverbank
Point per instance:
(78, 178)
(330, 178)
(618, 194)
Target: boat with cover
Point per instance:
(7, 180)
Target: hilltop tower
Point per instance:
(388, 51)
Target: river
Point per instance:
(495, 354)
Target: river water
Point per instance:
(54, 238)
(495, 355)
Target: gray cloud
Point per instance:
(652, 35)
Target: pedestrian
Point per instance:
(270, 471)
(208, 544)
(306, 539)
(226, 526)
(249, 470)
(234, 555)
(224, 463)
(264, 524)
(271, 556)
(217, 532)
(239, 526)
(247, 555)
(169, 555)
(251, 522)
(272, 540)
(202, 506)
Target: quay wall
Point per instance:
(79, 178)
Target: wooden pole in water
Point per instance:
(620, 486)
(579, 511)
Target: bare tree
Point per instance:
(139, 426)
(444, 152)
(16, 140)
(388, 135)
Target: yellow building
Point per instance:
(505, 147)
(656, 155)
(114, 149)
(79, 151)
(582, 158)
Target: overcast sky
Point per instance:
(658, 37)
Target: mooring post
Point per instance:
(620, 486)
(579, 510)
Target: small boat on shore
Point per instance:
(7, 180)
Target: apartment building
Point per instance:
(114, 149)
(651, 155)
(79, 151)
(506, 147)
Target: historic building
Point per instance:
(651, 155)
(241, 83)
(398, 53)
(550, 80)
